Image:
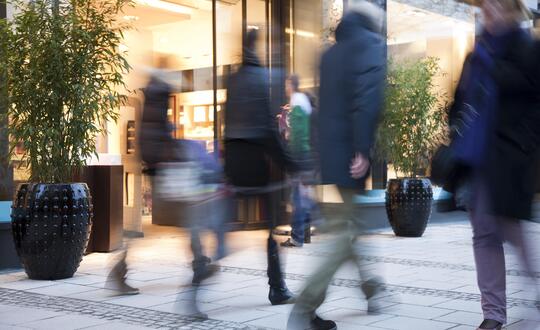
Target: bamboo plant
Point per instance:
(414, 121)
(64, 76)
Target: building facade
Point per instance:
(205, 37)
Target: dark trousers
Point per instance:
(247, 166)
(274, 271)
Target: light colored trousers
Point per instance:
(347, 228)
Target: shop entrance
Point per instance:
(204, 40)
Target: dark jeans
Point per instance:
(274, 271)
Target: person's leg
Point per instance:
(279, 293)
(514, 233)
(372, 284)
(309, 205)
(489, 259)
(218, 211)
(201, 263)
(314, 292)
(298, 218)
(117, 276)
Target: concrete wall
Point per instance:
(447, 8)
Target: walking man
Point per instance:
(351, 97)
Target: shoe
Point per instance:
(491, 325)
(281, 296)
(290, 243)
(121, 288)
(203, 272)
(199, 316)
(308, 321)
(307, 235)
(117, 279)
(372, 290)
(319, 324)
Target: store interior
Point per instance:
(183, 31)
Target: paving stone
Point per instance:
(524, 325)
(421, 312)
(64, 322)
(464, 318)
(425, 277)
(25, 315)
(61, 289)
(141, 300)
(239, 315)
(401, 322)
(354, 316)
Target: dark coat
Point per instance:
(155, 138)
(511, 165)
(252, 137)
(248, 113)
(351, 98)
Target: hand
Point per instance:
(359, 166)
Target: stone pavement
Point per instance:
(430, 285)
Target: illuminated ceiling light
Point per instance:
(131, 18)
(168, 6)
(252, 27)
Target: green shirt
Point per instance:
(299, 136)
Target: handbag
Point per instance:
(443, 165)
(182, 182)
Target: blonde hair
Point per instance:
(517, 6)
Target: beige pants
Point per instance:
(346, 228)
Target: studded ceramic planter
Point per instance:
(51, 226)
(408, 206)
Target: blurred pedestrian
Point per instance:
(181, 172)
(300, 146)
(351, 98)
(252, 146)
(496, 121)
(157, 146)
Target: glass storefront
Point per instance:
(204, 38)
(293, 34)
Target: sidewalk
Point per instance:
(430, 285)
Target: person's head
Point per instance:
(164, 61)
(502, 15)
(250, 45)
(374, 13)
(292, 85)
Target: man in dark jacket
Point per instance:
(252, 144)
(351, 97)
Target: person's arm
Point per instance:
(519, 71)
(524, 74)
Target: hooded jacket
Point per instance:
(352, 75)
(248, 114)
(156, 139)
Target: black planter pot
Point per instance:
(51, 226)
(408, 206)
